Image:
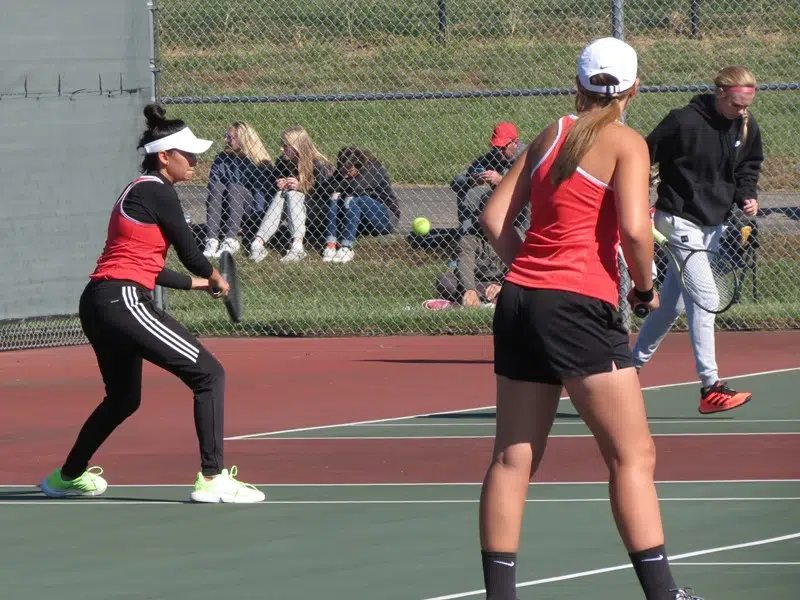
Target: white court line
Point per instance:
(468, 410)
(581, 574)
(579, 422)
(88, 501)
(733, 564)
(273, 438)
(435, 484)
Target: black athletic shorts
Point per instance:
(546, 336)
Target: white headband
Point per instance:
(183, 140)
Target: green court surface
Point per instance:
(671, 410)
(393, 542)
(730, 540)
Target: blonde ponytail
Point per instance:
(584, 132)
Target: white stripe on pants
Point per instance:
(296, 214)
(156, 327)
(683, 236)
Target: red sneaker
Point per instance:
(719, 397)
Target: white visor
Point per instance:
(608, 56)
(183, 140)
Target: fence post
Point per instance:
(441, 14)
(694, 15)
(159, 294)
(617, 15)
(151, 9)
(617, 26)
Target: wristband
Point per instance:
(646, 296)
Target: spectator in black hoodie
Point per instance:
(709, 155)
(362, 201)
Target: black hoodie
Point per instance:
(703, 165)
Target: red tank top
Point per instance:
(134, 251)
(573, 237)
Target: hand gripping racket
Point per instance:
(706, 277)
(233, 301)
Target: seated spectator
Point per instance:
(487, 169)
(477, 277)
(301, 172)
(478, 273)
(238, 175)
(362, 202)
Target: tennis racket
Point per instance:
(233, 301)
(707, 277)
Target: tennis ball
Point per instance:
(421, 226)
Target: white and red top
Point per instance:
(145, 221)
(573, 238)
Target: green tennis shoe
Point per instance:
(225, 488)
(89, 483)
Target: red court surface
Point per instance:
(279, 384)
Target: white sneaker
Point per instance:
(343, 255)
(212, 248)
(231, 245)
(257, 251)
(328, 254)
(225, 488)
(294, 255)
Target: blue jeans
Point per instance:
(360, 213)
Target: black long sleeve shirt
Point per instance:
(151, 202)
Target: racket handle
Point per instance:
(641, 311)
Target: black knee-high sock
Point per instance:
(655, 576)
(500, 575)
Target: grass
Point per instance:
(382, 290)
(252, 48)
(428, 142)
(381, 293)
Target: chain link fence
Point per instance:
(419, 86)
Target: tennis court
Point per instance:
(372, 461)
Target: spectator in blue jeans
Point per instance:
(362, 202)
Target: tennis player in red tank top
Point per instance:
(125, 327)
(556, 323)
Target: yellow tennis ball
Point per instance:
(421, 226)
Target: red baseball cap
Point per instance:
(504, 134)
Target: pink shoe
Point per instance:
(438, 304)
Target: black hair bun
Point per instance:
(155, 114)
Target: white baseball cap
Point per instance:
(183, 140)
(611, 57)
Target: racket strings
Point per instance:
(710, 280)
